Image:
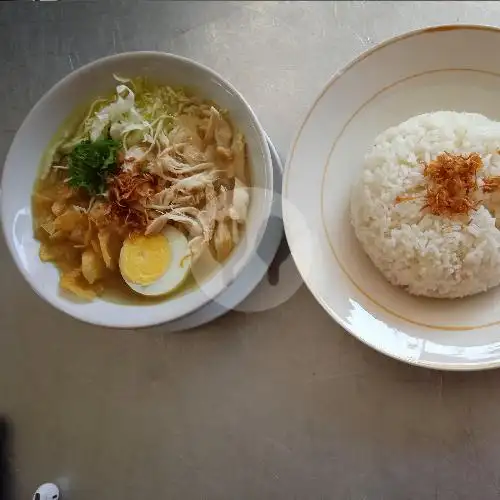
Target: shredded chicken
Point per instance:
(190, 223)
(185, 178)
(223, 241)
(196, 246)
(241, 200)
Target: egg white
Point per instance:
(177, 270)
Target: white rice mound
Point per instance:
(434, 256)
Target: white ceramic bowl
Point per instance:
(442, 68)
(80, 87)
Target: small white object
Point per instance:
(47, 491)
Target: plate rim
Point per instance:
(434, 365)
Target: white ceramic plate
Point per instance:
(255, 271)
(443, 68)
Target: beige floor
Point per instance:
(275, 405)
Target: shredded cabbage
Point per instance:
(115, 112)
(136, 112)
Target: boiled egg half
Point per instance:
(156, 264)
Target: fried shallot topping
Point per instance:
(451, 182)
(491, 184)
(400, 199)
(129, 192)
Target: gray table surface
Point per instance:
(281, 404)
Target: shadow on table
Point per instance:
(6, 483)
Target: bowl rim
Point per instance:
(215, 289)
(434, 365)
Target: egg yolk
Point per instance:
(144, 259)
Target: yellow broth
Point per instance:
(63, 242)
